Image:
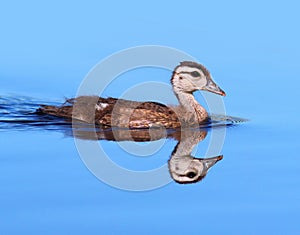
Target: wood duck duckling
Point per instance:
(187, 78)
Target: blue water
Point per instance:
(253, 52)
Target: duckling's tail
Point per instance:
(63, 111)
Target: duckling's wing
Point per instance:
(131, 114)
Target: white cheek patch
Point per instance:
(195, 82)
(201, 83)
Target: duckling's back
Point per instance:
(109, 112)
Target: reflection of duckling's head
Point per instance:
(187, 169)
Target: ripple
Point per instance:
(19, 113)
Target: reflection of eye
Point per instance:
(191, 174)
(195, 74)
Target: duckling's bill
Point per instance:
(209, 162)
(214, 88)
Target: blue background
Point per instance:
(252, 49)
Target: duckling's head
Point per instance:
(187, 169)
(190, 76)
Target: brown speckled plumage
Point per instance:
(118, 112)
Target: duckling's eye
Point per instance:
(195, 74)
(191, 174)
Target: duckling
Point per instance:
(187, 78)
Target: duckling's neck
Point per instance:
(188, 102)
(181, 157)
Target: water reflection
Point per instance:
(185, 168)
